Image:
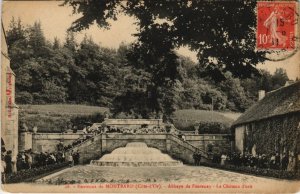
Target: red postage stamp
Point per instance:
(276, 25)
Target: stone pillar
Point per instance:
(168, 143)
(103, 143)
(25, 140)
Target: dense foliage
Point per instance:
(221, 32)
(284, 131)
(87, 73)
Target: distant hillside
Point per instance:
(58, 117)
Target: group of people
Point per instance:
(24, 160)
(94, 129)
(143, 130)
(27, 160)
(6, 163)
(61, 147)
(273, 161)
(48, 158)
(138, 130)
(73, 158)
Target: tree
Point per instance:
(16, 31)
(279, 78)
(70, 42)
(56, 43)
(42, 70)
(221, 32)
(237, 100)
(37, 40)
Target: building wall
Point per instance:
(239, 138)
(277, 134)
(9, 110)
(4, 65)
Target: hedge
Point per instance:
(257, 171)
(30, 175)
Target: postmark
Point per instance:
(276, 25)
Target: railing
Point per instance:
(86, 140)
(171, 136)
(186, 145)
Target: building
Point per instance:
(272, 125)
(9, 110)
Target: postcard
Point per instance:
(188, 96)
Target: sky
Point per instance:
(56, 19)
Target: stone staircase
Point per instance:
(102, 143)
(178, 148)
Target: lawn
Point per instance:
(186, 119)
(62, 109)
(58, 117)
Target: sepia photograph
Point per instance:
(150, 96)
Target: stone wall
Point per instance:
(100, 144)
(218, 142)
(46, 142)
(114, 141)
(133, 122)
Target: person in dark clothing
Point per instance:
(277, 161)
(8, 161)
(76, 157)
(3, 169)
(264, 161)
(259, 161)
(2, 146)
(20, 164)
(195, 157)
(43, 159)
(198, 158)
(284, 162)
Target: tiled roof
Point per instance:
(278, 102)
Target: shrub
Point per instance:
(256, 171)
(204, 127)
(24, 98)
(32, 174)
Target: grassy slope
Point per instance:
(184, 119)
(62, 109)
(54, 117)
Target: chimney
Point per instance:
(261, 94)
(288, 82)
